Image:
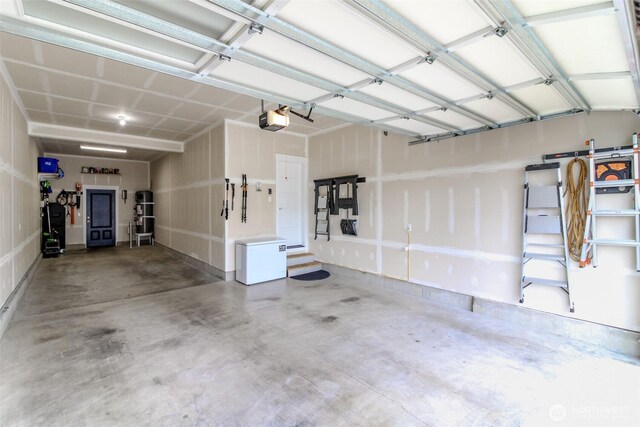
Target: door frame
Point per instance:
(304, 211)
(84, 207)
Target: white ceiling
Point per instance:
(428, 68)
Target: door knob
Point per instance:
(88, 219)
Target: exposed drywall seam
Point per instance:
(120, 85)
(440, 250)
(209, 217)
(16, 250)
(331, 129)
(18, 175)
(449, 171)
(209, 128)
(12, 89)
(193, 186)
(14, 143)
(170, 204)
(224, 174)
(379, 203)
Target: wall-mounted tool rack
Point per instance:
(328, 201)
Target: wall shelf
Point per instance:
(86, 170)
(44, 176)
(100, 173)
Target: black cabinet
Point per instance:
(57, 214)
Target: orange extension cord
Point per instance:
(576, 209)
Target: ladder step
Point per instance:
(541, 281)
(549, 257)
(543, 224)
(615, 212)
(616, 153)
(546, 245)
(615, 183)
(614, 242)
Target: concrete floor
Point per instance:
(123, 336)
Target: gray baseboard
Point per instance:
(9, 307)
(611, 338)
(439, 296)
(608, 337)
(201, 265)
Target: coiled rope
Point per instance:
(576, 209)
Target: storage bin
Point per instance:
(47, 165)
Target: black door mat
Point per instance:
(314, 275)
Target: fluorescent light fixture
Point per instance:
(111, 150)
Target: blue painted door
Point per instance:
(101, 218)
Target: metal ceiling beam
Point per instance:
(601, 76)
(476, 36)
(626, 20)
(599, 9)
(25, 29)
(439, 137)
(296, 34)
(382, 14)
(242, 35)
(200, 41)
(523, 37)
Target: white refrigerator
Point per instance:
(260, 260)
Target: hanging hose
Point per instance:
(576, 209)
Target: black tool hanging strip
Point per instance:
(244, 198)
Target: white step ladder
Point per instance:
(591, 240)
(543, 216)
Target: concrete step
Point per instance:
(299, 258)
(308, 267)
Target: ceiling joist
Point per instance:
(426, 77)
(523, 37)
(320, 45)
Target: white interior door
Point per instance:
(291, 176)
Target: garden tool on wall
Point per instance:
(72, 206)
(349, 226)
(79, 193)
(244, 198)
(233, 194)
(225, 203)
(63, 199)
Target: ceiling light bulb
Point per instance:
(123, 120)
